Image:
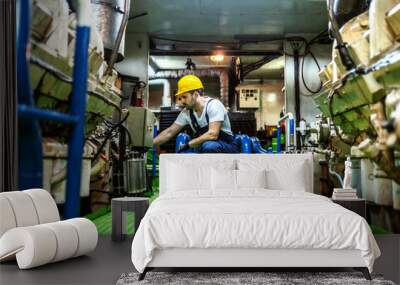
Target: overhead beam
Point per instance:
(209, 52)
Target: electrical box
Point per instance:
(140, 124)
(249, 98)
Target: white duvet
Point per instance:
(253, 218)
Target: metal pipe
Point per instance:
(278, 139)
(345, 57)
(288, 115)
(345, 10)
(78, 108)
(113, 57)
(95, 170)
(297, 108)
(290, 132)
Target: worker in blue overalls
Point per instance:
(206, 116)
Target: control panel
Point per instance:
(249, 98)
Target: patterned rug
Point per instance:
(242, 278)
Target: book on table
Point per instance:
(341, 190)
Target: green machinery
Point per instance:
(362, 102)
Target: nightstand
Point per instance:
(356, 205)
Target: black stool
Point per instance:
(119, 207)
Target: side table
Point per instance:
(119, 207)
(356, 205)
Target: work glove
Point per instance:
(183, 147)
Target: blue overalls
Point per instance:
(224, 144)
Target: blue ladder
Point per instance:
(29, 133)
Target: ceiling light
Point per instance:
(217, 58)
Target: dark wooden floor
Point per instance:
(110, 260)
(103, 266)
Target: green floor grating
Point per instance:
(104, 223)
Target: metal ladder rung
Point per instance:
(27, 112)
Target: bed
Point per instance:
(246, 211)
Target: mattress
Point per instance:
(250, 219)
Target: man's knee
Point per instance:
(210, 147)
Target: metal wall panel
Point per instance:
(8, 97)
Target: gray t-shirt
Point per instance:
(216, 113)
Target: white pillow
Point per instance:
(279, 180)
(251, 178)
(187, 176)
(223, 179)
(183, 177)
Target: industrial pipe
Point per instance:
(347, 61)
(296, 65)
(113, 57)
(345, 10)
(221, 73)
(290, 138)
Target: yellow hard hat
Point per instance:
(188, 83)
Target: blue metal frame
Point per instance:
(78, 108)
(29, 133)
(278, 139)
(27, 112)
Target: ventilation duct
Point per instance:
(109, 16)
(221, 73)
